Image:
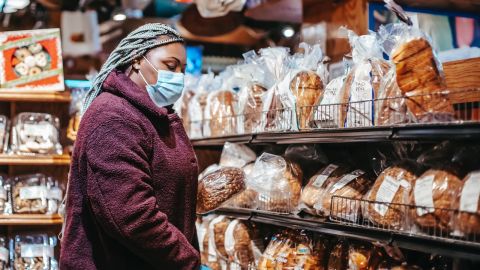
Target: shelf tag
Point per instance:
(424, 195)
(470, 193)
(346, 179)
(385, 194)
(323, 176)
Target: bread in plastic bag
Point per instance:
(433, 195)
(201, 226)
(307, 82)
(419, 73)
(392, 187)
(236, 155)
(4, 133)
(268, 259)
(197, 104)
(316, 186)
(390, 107)
(363, 81)
(214, 243)
(5, 199)
(277, 182)
(35, 251)
(359, 257)
(36, 133)
(349, 188)
(327, 113)
(243, 245)
(4, 253)
(467, 221)
(220, 114)
(218, 187)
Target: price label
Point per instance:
(424, 195)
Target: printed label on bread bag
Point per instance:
(3, 194)
(303, 250)
(3, 254)
(212, 253)
(470, 193)
(327, 113)
(346, 179)
(35, 192)
(386, 192)
(323, 176)
(423, 195)
(229, 240)
(282, 257)
(32, 251)
(55, 193)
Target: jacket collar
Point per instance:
(119, 84)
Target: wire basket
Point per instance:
(406, 219)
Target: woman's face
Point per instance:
(171, 57)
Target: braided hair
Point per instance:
(136, 44)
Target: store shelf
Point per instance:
(30, 219)
(11, 96)
(372, 134)
(450, 247)
(34, 160)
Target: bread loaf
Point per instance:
(390, 107)
(468, 203)
(253, 109)
(420, 80)
(268, 259)
(221, 105)
(392, 187)
(239, 245)
(307, 87)
(218, 187)
(433, 194)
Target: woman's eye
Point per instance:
(172, 67)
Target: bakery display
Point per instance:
(316, 186)
(34, 251)
(307, 87)
(242, 245)
(220, 114)
(4, 133)
(218, 187)
(252, 112)
(236, 155)
(391, 189)
(352, 185)
(31, 60)
(36, 133)
(196, 114)
(433, 194)
(327, 113)
(390, 107)
(467, 221)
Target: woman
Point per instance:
(133, 179)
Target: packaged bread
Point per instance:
(4, 133)
(201, 225)
(306, 257)
(196, 106)
(327, 113)
(419, 74)
(358, 257)
(215, 245)
(285, 256)
(467, 221)
(236, 155)
(277, 183)
(4, 253)
(34, 251)
(218, 187)
(433, 195)
(390, 107)
(348, 190)
(252, 112)
(268, 259)
(220, 114)
(363, 81)
(316, 186)
(307, 82)
(242, 245)
(391, 189)
(5, 200)
(338, 258)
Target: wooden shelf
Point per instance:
(30, 219)
(34, 160)
(10, 96)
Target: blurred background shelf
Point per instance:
(30, 219)
(10, 96)
(34, 160)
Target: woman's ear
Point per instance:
(136, 65)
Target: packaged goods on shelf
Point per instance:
(314, 191)
(392, 187)
(196, 106)
(216, 188)
(4, 133)
(352, 185)
(236, 155)
(35, 194)
(220, 112)
(5, 199)
(213, 244)
(327, 113)
(34, 251)
(36, 133)
(243, 245)
(338, 258)
(390, 107)
(467, 221)
(31, 60)
(277, 183)
(4, 253)
(76, 105)
(419, 74)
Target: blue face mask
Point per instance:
(168, 88)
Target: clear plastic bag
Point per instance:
(5, 199)
(268, 259)
(392, 187)
(4, 253)
(215, 245)
(390, 107)
(218, 187)
(363, 81)
(467, 221)
(307, 82)
(196, 106)
(4, 133)
(358, 257)
(327, 114)
(35, 194)
(78, 98)
(243, 245)
(277, 183)
(220, 114)
(313, 192)
(236, 155)
(352, 185)
(419, 73)
(36, 133)
(35, 251)
(201, 226)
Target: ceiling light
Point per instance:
(288, 32)
(119, 17)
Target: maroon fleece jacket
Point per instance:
(132, 186)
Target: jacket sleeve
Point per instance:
(123, 201)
